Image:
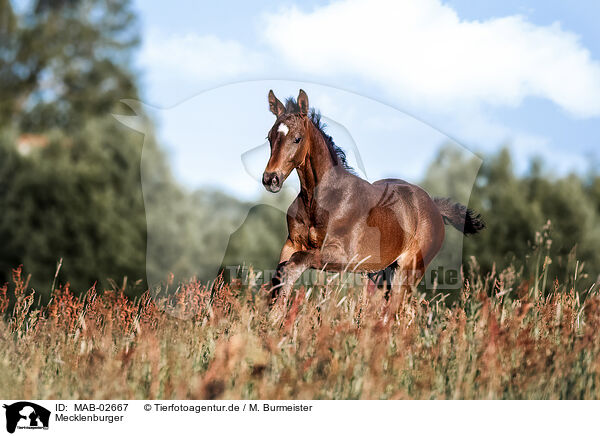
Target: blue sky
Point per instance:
(395, 79)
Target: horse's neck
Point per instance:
(317, 164)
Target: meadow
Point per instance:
(511, 334)
(524, 323)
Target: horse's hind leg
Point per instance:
(376, 279)
(389, 274)
(372, 282)
(383, 278)
(408, 274)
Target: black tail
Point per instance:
(461, 217)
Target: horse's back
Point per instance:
(409, 193)
(391, 182)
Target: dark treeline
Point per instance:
(69, 174)
(70, 184)
(536, 211)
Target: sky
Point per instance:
(393, 79)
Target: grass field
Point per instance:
(505, 336)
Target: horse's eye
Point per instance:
(297, 140)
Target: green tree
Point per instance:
(64, 66)
(517, 207)
(64, 61)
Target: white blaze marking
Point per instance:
(283, 129)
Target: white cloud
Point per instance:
(178, 66)
(422, 52)
(416, 55)
(199, 57)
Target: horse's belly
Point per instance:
(375, 254)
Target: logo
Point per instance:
(26, 415)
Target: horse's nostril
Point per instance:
(268, 178)
(271, 181)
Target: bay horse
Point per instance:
(341, 222)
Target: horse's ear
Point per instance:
(275, 105)
(303, 102)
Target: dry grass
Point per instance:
(502, 338)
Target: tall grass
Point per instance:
(507, 335)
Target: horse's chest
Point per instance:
(310, 227)
(311, 237)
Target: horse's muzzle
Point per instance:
(272, 182)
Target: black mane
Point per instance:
(292, 107)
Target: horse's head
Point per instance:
(288, 139)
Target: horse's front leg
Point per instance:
(288, 272)
(300, 261)
(289, 248)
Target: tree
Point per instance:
(515, 208)
(64, 67)
(64, 61)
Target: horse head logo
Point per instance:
(25, 414)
